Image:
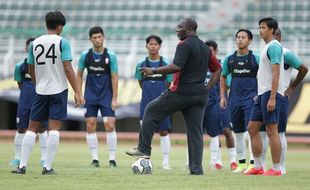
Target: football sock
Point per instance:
(250, 147)
(283, 151)
(214, 149)
(232, 154)
(257, 162)
(43, 144)
(18, 141)
(165, 148)
(52, 146)
(111, 142)
(264, 138)
(240, 145)
(92, 142)
(28, 143)
(219, 156)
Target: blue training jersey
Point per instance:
(100, 66)
(152, 86)
(243, 70)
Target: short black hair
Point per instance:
(95, 30)
(155, 37)
(211, 43)
(29, 40)
(270, 22)
(53, 19)
(191, 23)
(249, 33)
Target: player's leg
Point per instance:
(282, 130)
(56, 114)
(247, 114)
(271, 119)
(91, 112)
(43, 141)
(39, 111)
(264, 137)
(229, 139)
(254, 125)
(161, 107)
(22, 122)
(165, 144)
(111, 138)
(237, 119)
(210, 125)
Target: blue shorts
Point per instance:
(225, 118)
(259, 110)
(46, 107)
(22, 119)
(240, 116)
(211, 120)
(283, 117)
(91, 110)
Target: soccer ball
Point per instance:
(142, 166)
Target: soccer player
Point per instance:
(219, 122)
(188, 94)
(291, 61)
(49, 60)
(267, 105)
(100, 93)
(243, 66)
(152, 86)
(27, 94)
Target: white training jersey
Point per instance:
(287, 72)
(49, 68)
(264, 74)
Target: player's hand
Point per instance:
(114, 104)
(271, 105)
(288, 92)
(146, 71)
(79, 100)
(223, 103)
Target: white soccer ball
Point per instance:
(142, 166)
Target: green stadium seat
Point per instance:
(286, 18)
(134, 18)
(182, 7)
(238, 18)
(193, 7)
(299, 7)
(205, 7)
(159, 7)
(146, 18)
(157, 18)
(299, 18)
(287, 7)
(263, 7)
(251, 7)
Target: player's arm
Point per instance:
(294, 61)
(114, 80)
(66, 58)
(17, 75)
(275, 53)
(138, 75)
(215, 68)
(30, 61)
(80, 71)
(223, 82)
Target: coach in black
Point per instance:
(188, 94)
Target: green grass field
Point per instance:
(73, 158)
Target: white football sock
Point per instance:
(165, 148)
(28, 143)
(219, 156)
(43, 144)
(258, 162)
(283, 152)
(18, 141)
(52, 146)
(214, 149)
(92, 142)
(264, 137)
(240, 145)
(232, 154)
(250, 146)
(112, 142)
